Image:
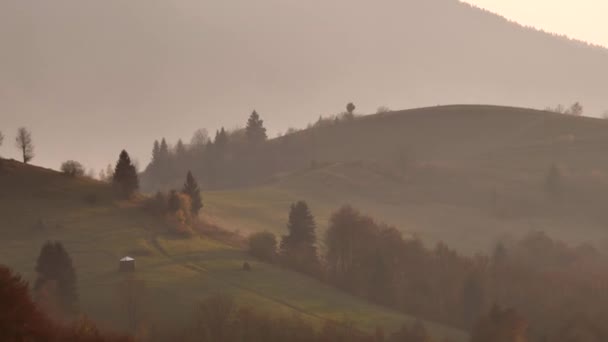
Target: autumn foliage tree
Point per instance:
(20, 319)
(500, 325)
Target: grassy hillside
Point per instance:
(38, 204)
(466, 175)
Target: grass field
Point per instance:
(39, 205)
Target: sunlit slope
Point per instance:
(466, 175)
(37, 205)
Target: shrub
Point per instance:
(263, 246)
(179, 216)
(72, 168)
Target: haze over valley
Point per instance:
(288, 171)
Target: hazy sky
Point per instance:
(580, 19)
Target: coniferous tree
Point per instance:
(155, 153)
(192, 189)
(221, 139)
(57, 277)
(1, 138)
(298, 247)
(163, 154)
(125, 175)
(256, 132)
(180, 149)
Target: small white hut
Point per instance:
(127, 264)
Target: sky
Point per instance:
(579, 19)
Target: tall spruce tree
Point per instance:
(298, 247)
(155, 153)
(163, 154)
(56, 277)
(192, 189)
(221, 139)
(180, 149)
(125, 175)
(256, 132)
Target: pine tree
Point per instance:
(57, 277)
(180, 149)
(155, 153)
(163, 153)
(221, 139)
(298, 248)
(125, 175)
(194, 192)
(256, 132)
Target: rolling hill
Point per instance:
(38, 204)
(173, 67)
(465, 175)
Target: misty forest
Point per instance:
(165, 174)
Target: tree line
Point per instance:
(228, 159)
(535, 289)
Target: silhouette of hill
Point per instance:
(439, 173)
(172, 67)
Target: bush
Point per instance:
(263, 246)
(72, 168)
(179, 215)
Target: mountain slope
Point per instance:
(171, 67)
(38, 204)
(440, 173)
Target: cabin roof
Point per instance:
(127, 258)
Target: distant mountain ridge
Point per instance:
(172, 67)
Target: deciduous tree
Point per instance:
(263, 246)
(25, 144)
(350, 108)
(72, 168)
